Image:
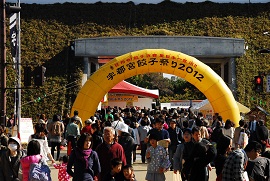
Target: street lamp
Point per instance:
(264, 51)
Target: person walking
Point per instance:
(87, 126)
(178, 155)
(72, 132)
(115, 173)
(258, 168)
(33, 156)
(176, 136)
(97, 136)
(163, 136)
(42, 139)
(252, 127)
(84, 159)
(157, 160)
(62, 167)
(234, 166)
(10, 161)
(143, 130)
(108, 150)
(262, 135)
(228, 129)
(56, 129)
(237, 132)
(202, 154)
(78, 120)
(224, 147)
(126, 141)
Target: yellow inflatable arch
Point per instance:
(157, 60)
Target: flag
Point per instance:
(13, 35)
(105, 98)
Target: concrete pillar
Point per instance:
(222, 70)
(93, 62)
(232, 77)
(86, 71)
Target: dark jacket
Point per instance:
(115, 177)
(97, 139)
(80, 172)
(202, 154)
(219, 163)
(259, 169)
(261, 133)
(9, 171)
(176, 136)
(127, 142)
(216, 134)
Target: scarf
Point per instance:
(83, 155)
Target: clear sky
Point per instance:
(135, 1)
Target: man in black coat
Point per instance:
(257, 166)
(262, 134)
(252, 125)
(176, 136)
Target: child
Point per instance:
(115, 173)
(128, 173)
(157, 160)
(62, 174)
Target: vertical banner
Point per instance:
(13, 46)
(13, 35)
(268, 83)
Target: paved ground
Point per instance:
(139, 167)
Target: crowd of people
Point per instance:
(104, 147)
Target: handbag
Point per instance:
(177, 177)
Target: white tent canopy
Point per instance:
(205, 105)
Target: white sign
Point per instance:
(268, 83)
(26, 129)
(185, 103)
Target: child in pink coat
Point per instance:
(62, 174)
(33, 156)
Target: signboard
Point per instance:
(268, 83)
(122, 98)
(180, 104)
(185, 103)
(26, 129)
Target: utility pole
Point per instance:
(19, 80)
(3, 97)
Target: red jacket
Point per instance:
(107, 153)
(86, 129)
